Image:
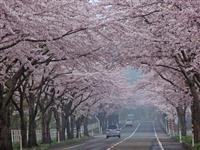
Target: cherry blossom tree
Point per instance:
(69, 53)
(167, 97)
(35, 33)
(162, 34)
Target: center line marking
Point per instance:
(125, 138)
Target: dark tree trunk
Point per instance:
(46, 118)
(5, 133)
(72, 126)
(23, 119)
(58, 125)
(65, 120)
(78, 127)
(24, 131)
(195, 113)
(5, 103)
(32, 104)
(182, 120)
(66, 109)
(104, 125)
(62, 135)
(68, 128)
(190, 81)
(85, 126)
(32, 139)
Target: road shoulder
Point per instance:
(69, 143)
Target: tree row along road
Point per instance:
(143, 136)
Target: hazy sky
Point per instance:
(133, 74)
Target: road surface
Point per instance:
(143, 136)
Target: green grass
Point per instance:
(69, 142)
(197, 147)
(54, 143)
(16, 146)
(187, 140)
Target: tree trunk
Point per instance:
(78, 127)
(195, 108)
(104, 125)
(72, 126)
(62, 135)
(23, 130)
(103, 121)
(85, 126)
(58, 125)
(190, 81)
(46, 118)
(182, 120)
(196, 123)
(32, 140)
(5, 133)
(68, 128)
(5, 103)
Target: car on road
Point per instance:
(113, 131)
(129, 123)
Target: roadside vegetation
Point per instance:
(54, 144)
(187, 143)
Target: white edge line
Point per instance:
(160, 144)
(116, 144)
(73, 146)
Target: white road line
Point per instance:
(124, 138)
(73, 146)
(160, 144)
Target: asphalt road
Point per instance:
(143, 136)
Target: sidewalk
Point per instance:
(171, 144)
(168, 142)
